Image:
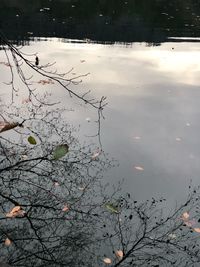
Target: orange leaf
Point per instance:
(119, 254)
(197, 230)
(65, 208)
(15, 212)
(7, 242)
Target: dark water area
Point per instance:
(101, 21)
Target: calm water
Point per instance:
(152, 117)
(150, 75)
(144, 57)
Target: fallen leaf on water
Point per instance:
(185, 216)
(15, 212)
(139, 168)
(5, 126)
(96, 154)
(197, 230)
(7, 242)
(172, 236)
(60, 151)
(107, 260)
(65, 208)
(111, 207)
(2, 124)
(119, 254)
(24, 157)
(32, 140)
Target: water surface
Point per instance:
(152, 116)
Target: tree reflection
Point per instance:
(57, 211)
(56, 201)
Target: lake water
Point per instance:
(151, 124)
(144, 57)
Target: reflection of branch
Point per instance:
(55, 76)
(19, 163)
(69, 219)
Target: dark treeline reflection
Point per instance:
(101, 20)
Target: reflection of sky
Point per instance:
(153, 93)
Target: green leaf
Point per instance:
(32, 140)
(112, 208)
(60, 151)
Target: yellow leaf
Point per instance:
(7, 242)
(107, 260)
(119, 254)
